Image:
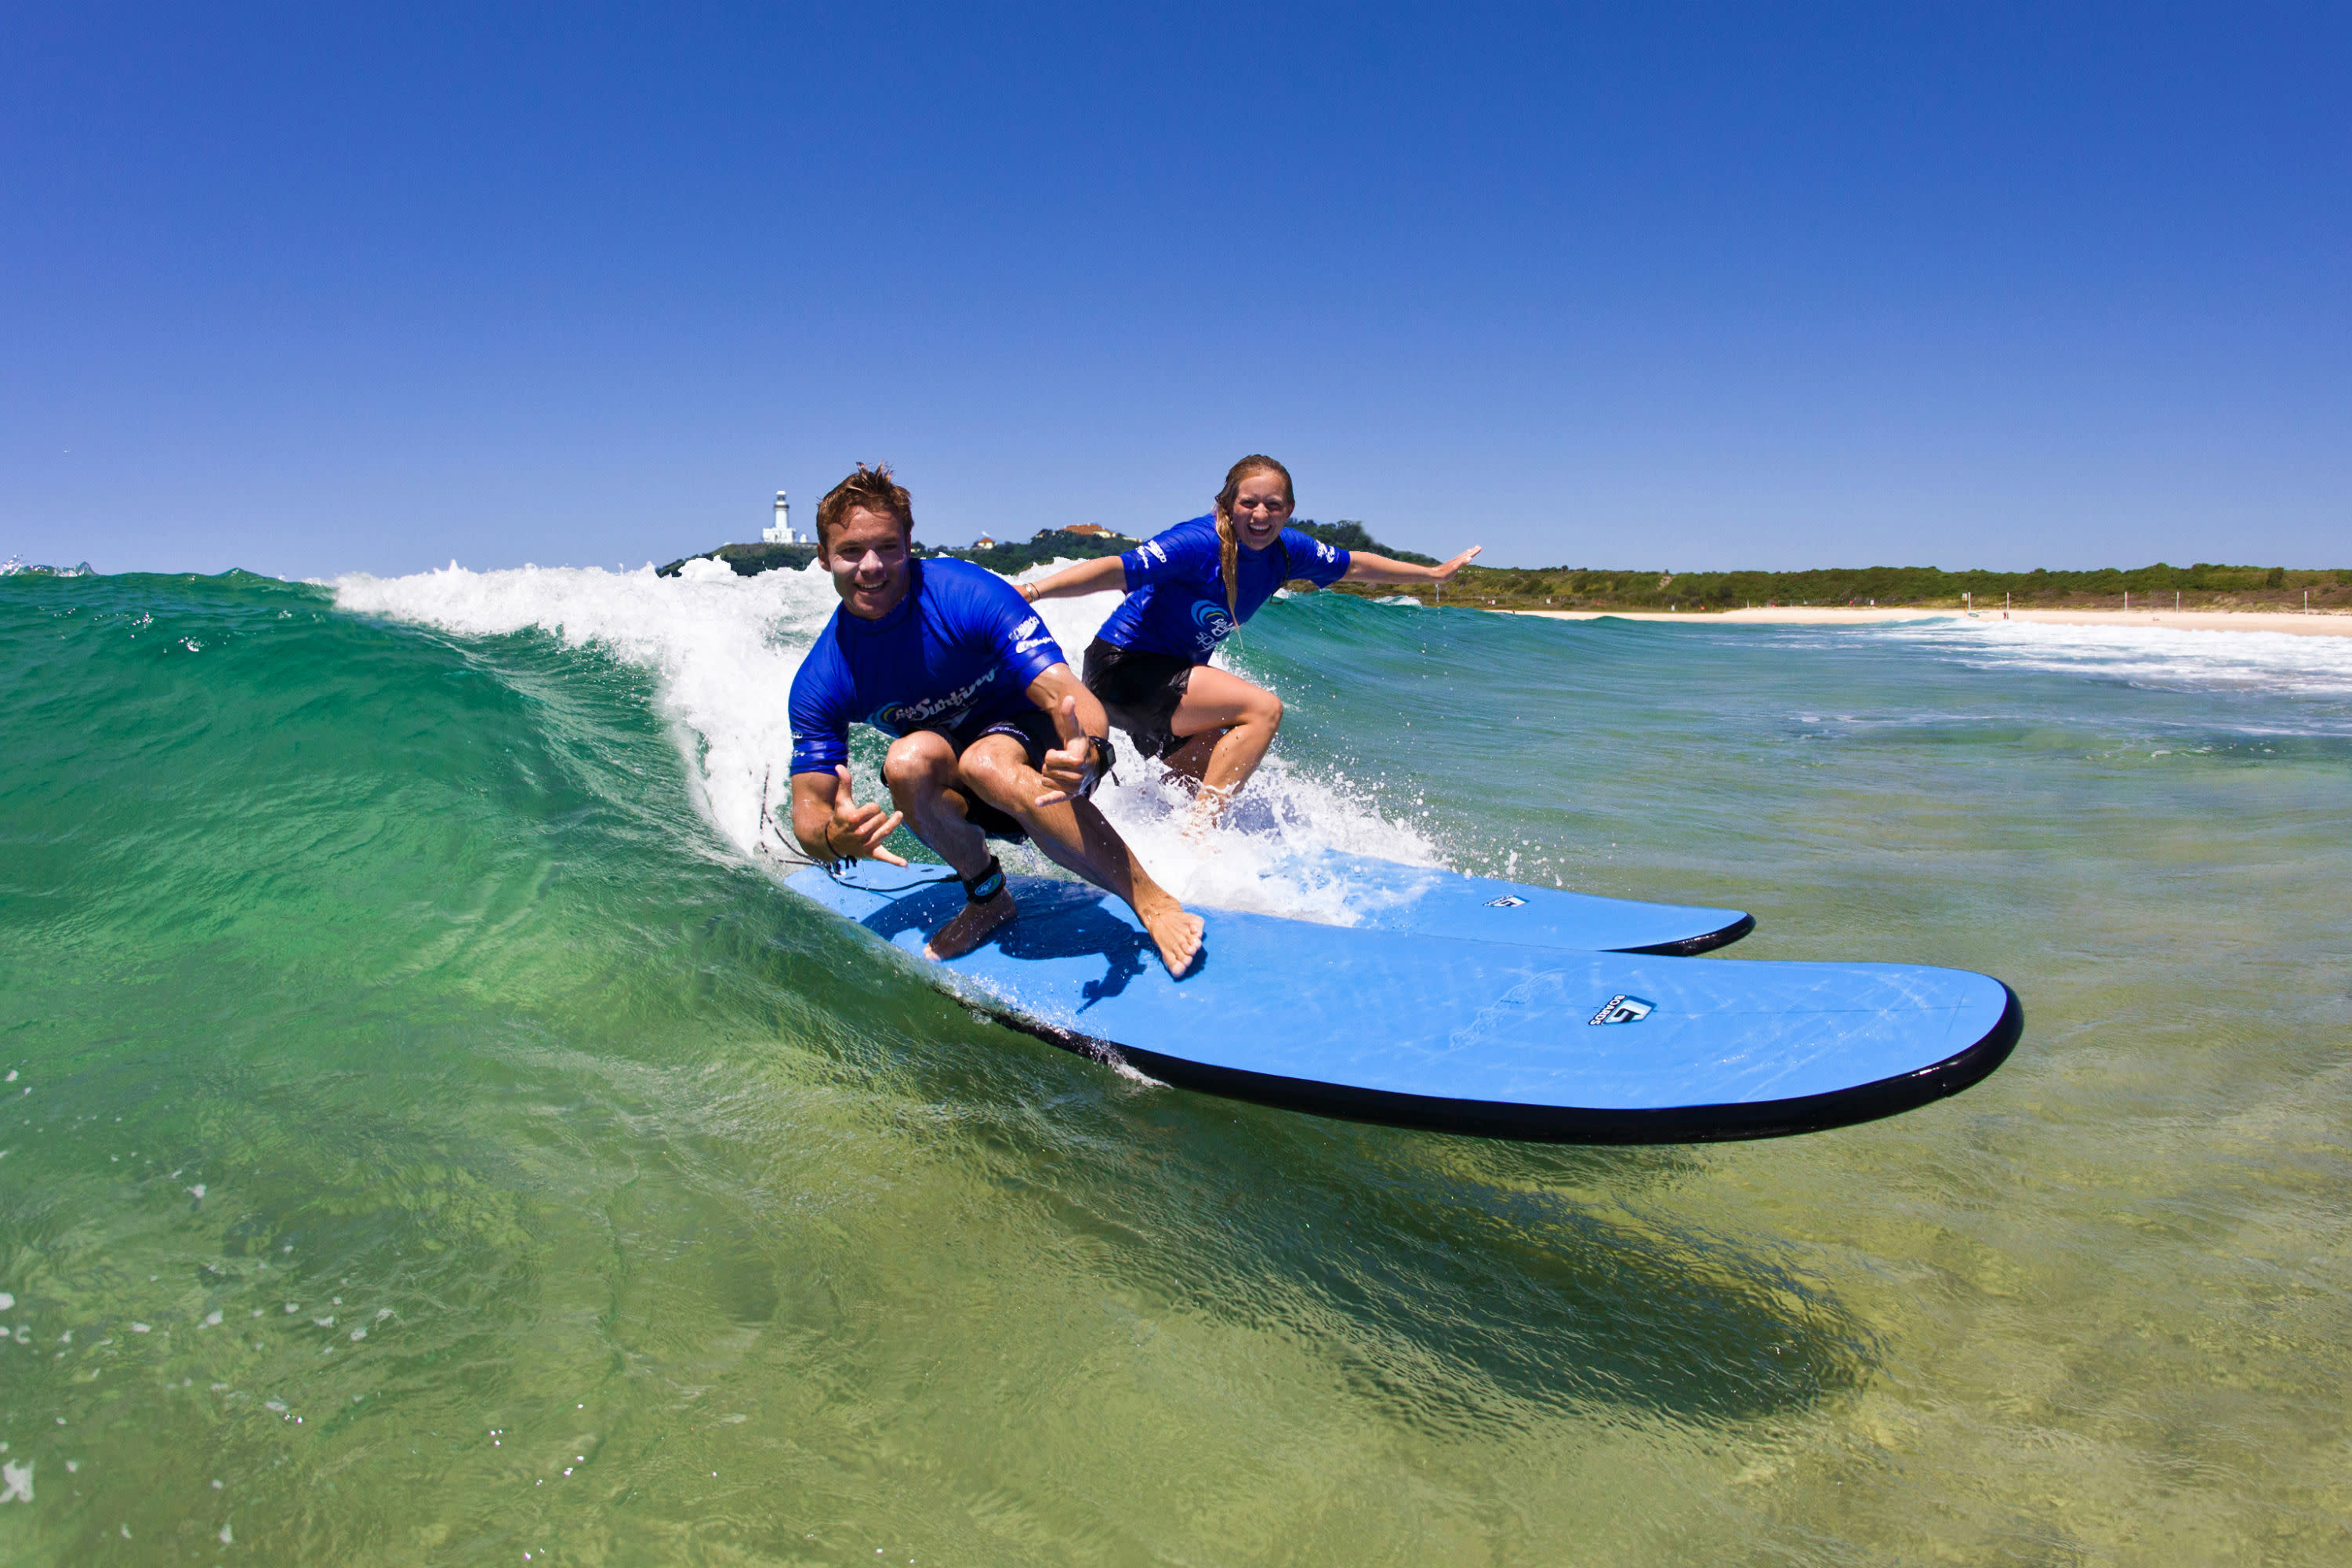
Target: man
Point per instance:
(993, 733)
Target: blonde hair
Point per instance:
(1229, 543)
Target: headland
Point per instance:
(2202, 597)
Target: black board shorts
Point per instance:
(1140, 689)
(1037, 734)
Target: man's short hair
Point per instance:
(872, 488)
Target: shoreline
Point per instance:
(2319, 623)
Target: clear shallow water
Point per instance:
(425, 927)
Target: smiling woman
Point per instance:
(1187, 590)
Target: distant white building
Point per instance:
(782, 534)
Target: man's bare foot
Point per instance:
(1177, 933)
(971, 927)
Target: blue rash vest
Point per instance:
(1175, 600)
(958, 652)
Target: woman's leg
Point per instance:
(1190, 760)
(1228, 724)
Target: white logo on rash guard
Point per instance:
(897, 718)
(1324, 551)
(1023, 642)
(1211, 626)
(1151, 548)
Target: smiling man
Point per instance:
(992, 733)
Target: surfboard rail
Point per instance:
(1692, 946)
(1438, 901)
(1556, 1124)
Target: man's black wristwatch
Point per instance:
(1105, 758)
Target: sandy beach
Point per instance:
(2319, 623)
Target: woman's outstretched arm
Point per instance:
(1100, 575)
(1365, 567)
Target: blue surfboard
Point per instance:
(1388, 895)
(1415, 1029)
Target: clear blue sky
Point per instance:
(1689, 287)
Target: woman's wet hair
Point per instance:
(872, 488)
(1229, 543)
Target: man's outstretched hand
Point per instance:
(1067, 766)
(857, 832)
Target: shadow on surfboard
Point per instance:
(1464, 1005)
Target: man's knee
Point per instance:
(919, 763)
(993, 770)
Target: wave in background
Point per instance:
(2176, 658)
(723, 650)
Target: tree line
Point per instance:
(1577, 587)
(1562, 588)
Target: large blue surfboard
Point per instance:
(1416, 1029)
(1388, 895)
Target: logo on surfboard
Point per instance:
(1622, 1010)
(1507, 902)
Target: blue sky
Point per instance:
(1684, 287)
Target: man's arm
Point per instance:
(1099, 575)
(829, 824)
(1082, 722)
(1057, 681)
(1365, 567)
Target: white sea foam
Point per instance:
(2178, 658)
(723, 650)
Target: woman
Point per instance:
(1187, 589)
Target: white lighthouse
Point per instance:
(782, 534)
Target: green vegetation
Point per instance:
(751, 560)
(1350, 535)
(2203, 586)
(1046, 544)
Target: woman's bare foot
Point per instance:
(1177, 933)
(1208, 815)
(971, 926)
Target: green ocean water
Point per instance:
(431, 1135)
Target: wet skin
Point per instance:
(868, 555)
(1228, 723)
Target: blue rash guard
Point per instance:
(956, 655)
(1175, 600)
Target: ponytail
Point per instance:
(1229, 560)
(1229, 542)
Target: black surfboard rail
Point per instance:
(1692, 946)
(1565, 1124)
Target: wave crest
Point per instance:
(723, 650)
